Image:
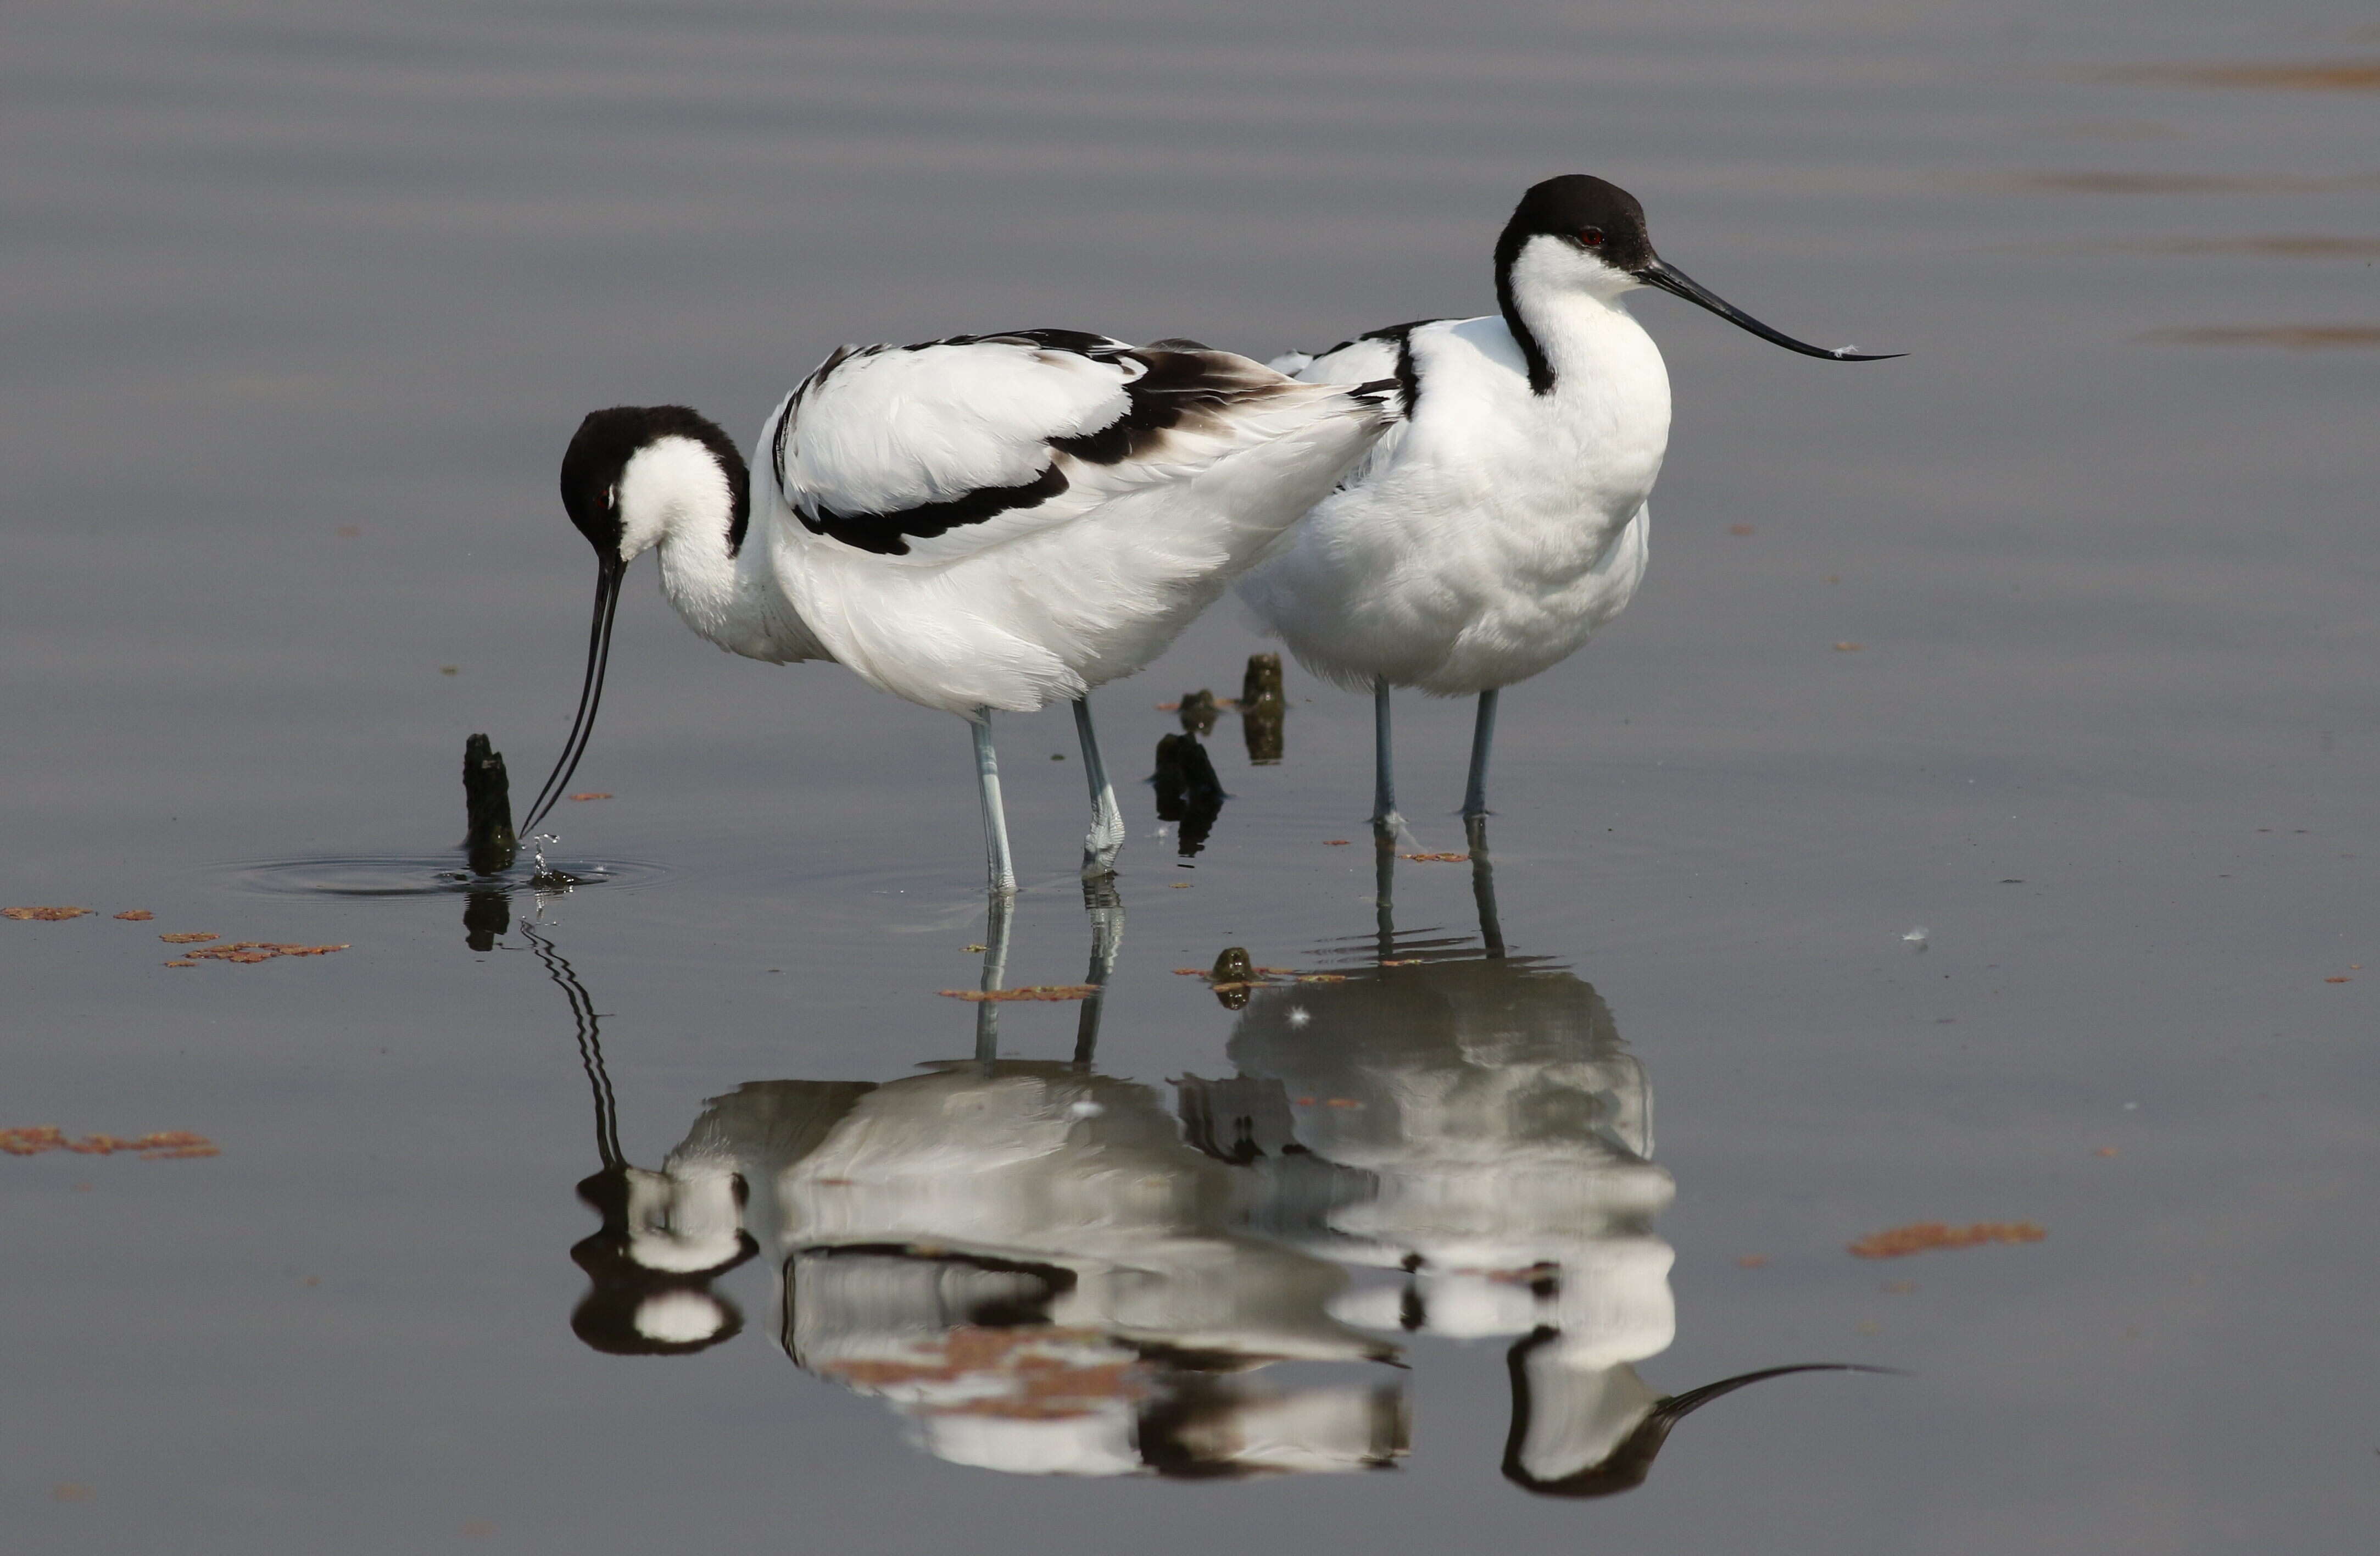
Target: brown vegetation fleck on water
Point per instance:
(170, 1145)
(248, 951)
(2289, 337)
(2320, 74)
(1927, 1236)
(138, 915)
(1030, 992)
(193, 937)
(42, 915)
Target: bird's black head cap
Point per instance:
(608, 439)
(1600, 217)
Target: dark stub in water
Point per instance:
(1262, 707)
(488, 842)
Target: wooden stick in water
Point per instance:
(487, 843)
(1262, 706)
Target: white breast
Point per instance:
(1488, 538)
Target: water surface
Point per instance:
(2054, 640)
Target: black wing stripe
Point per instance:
(1179, 387)
(888, 534)
(1076, 341)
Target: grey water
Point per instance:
(2054, 639)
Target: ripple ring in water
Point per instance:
(427, 875)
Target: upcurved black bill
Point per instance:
(1662, 274)
(590, 693)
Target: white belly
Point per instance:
(1453, 616)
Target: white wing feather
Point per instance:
(1098, 496)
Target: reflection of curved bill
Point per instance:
(1593, 1440)
(1476, 1125)
(665, 1235)
(1026, 1262)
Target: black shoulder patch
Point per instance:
(1408, 378)
(888, 534)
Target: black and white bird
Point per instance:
(982, 522)
(1502, 518)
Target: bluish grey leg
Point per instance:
(1483, 885)
(1483, 735)
(1107, 817)
(1384, 786)
(1001, 869)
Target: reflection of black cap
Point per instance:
(635, 1310)
(662, 1318)
(1624, 1468)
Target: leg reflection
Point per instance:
(1106, 906)
(1000, 907)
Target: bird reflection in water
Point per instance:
(1471, 1128)
(666, 1236)
(1042, 1271)
(1022, 1258)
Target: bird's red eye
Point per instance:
(1591, 236)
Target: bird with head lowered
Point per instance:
(978, 523)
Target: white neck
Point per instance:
(1571, 303)
(675, 498)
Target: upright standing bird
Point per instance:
(977, 523)
(1502, 518)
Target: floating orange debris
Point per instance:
(1435, 858)
(164, 1146)
(590, 794)
(1337, 842)
(245, 951)
(1030, 992)
(138, 915)
(42, 915)
(1925, 1236)
(194, 937)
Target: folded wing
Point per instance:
(1004, 520)
(941, 449)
